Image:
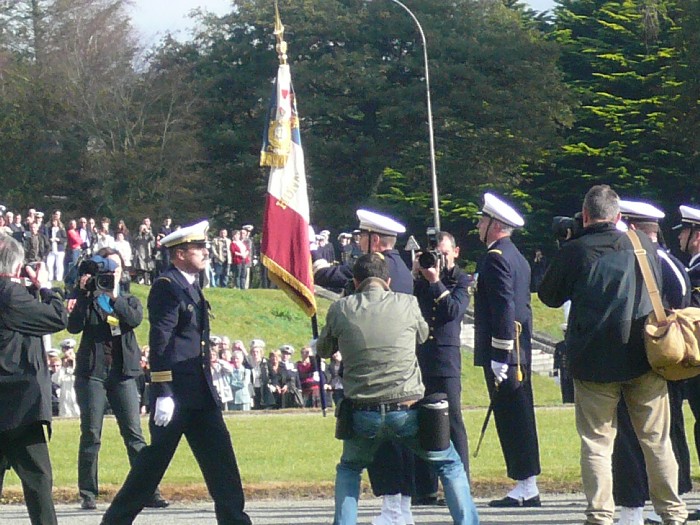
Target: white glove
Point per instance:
(500, 370)
(165, 406)
(316, 377)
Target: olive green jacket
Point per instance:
(376, 331)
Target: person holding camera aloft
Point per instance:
(107, 364)
(25, 384)
(599, 273)
(441, 288)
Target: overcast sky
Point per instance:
(152, 18)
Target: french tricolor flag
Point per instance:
(285, 239)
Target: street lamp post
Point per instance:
(433, 169)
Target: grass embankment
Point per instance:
(294, 453)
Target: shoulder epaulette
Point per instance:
(162, 279)
(496, 250)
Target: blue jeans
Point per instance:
(371, 428)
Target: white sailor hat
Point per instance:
(196, 234)
(3, 208)
(319, 264)
(640, 211)
(287, 349)
(319, 237)
(257, 343)
(39, 214)
(345, 235)
(53, 353)
(215, 339)
(375, 223)
(325, 233)
(68, 343)
(690, 218)
(247, 227)
(499, 210)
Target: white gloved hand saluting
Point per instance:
(165, 406)
(500, 371)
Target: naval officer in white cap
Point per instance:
(502, 332)
(689, 240)
(391, 473)
(186, 401)
(630, 486)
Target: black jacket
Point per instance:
(443, 305)
(599, 273)
(25, 382)
(502, 297)
(91, 320)
(179, 341)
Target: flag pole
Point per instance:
(281, 48)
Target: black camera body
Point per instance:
(99, 280)
(567, 228)
(430, 257)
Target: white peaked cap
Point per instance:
(375, 223)
(195, 233)
(689, 217)
(640, 210)
(499, 210)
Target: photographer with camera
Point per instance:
(25, 383)
(441, 289)
(107, 364)
(599, 273)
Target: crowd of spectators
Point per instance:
(60, 243)
(244, 378)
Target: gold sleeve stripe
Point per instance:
(162, 279)
(502, 344)
(442, 296)
(162, 377)
(495, 250)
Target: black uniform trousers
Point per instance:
(391, 472)
(514, 412)
(26, 452)
(630, 485)
(426, 478)
(210, 442)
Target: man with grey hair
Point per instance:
(25, 383)
(598, 272)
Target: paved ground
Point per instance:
(556, 510)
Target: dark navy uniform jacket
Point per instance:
(694, 274)
(675, 285)
(401, 277)
(502, 297)
(443, 305)
(179, 341)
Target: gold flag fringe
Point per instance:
(300, 294)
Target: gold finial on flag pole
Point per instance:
(281, 46)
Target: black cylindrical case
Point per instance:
(434, 426)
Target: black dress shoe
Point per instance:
(157, 502)
(513, 502)
(429, 501)
(88, 504)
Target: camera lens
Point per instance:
(427, 260)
